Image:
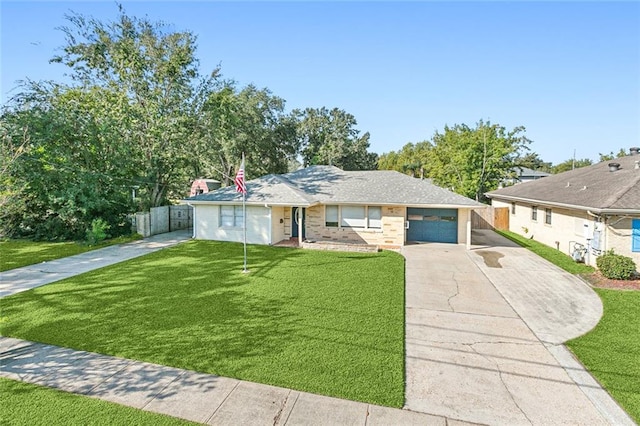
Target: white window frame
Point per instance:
(534, 213)
(334, 223)
(353, 217)
(548, 216)
(367, 221)
(376, 222)
(238, 217)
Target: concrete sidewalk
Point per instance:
(28, 277)
(189, 395)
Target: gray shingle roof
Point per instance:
(589, 188)
(331, 185)
(271, 189)
(527, 172)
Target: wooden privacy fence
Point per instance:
(490, 218)
(164, 219)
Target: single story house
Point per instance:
(325, 203)
(596, 206)
(524, 174)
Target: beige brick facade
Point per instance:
(619, 238)
(390, 235)
(569, 226)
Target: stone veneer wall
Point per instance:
(336, 246)
(392, 233)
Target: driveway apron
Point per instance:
(475, 349)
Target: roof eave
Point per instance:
(596, 210)
(248, 203)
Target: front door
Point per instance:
(297, 215)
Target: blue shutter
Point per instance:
(635, 236)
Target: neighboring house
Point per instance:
(325, 203)
(202, 186)
(597, 206)
(524, 174)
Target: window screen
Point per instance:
(375, 217)
(353, 217)
(331, 216)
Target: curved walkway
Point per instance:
(480, 346)
(555, 304)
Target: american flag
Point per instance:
(239, 180)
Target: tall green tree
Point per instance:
(533, 161)
(472, 161)
(156, 71)
(412, 159)
(330, 137)
(611, 156)
(75, 170)
(571, 164)
(251, 121)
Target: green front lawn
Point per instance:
(323, 322)
(549, 253)
(611, 351)
(19, 253)
(30, 405)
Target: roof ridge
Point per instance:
(297, 191)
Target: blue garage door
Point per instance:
(432, 225)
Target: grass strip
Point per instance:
(323, 322)
(19, 253)
(27, 404)
(549, 253)
(611, 351)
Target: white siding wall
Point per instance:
(207, 226)
(463, 215)
(277, 224)
(567, 226)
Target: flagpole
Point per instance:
(244, 220)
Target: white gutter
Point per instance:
(248, 203)
(341, 203)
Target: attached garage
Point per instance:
(432, 225)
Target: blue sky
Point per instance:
(567, 71)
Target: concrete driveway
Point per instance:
(484, 332)
(22, 279)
